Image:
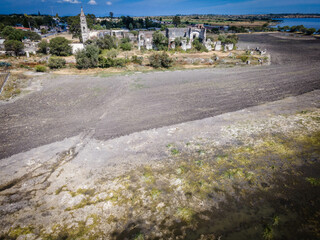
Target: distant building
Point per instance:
(145, 38)
(23, 28)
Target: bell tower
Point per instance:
(84, 27)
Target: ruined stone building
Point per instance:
(120, 34)
(145, 40)
(185, 35)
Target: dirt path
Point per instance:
(173, 181)
(116, 106)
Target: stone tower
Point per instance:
(84, 27)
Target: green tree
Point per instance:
(43, 47)
(1, 27)
(286, 28)
(107, 42)
(10, 33)
(88, 57)
(44, 31)
(32, 36)
(176, 20)
(310, 31)
(111, 14)
(60, 46)
(13, 45)
(159, 40)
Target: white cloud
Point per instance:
(109, 3)
(92, 2)
(70, 1)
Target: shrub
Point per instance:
(126, 46)
(43, 47)
(55, 62)
(199, 46)
(60, 46)
(106, 62)
(112, 62)
(244, 58)
(228, 39)
(113, 53)
(5, 64)
(158, 60)
(120, 62)
(88, 57)
(136, 59)
(134, 32)
(40, 68)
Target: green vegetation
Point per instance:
(34, 20)
(14, 45)
(112, 62)
(160, 41)
(225, 39)
(107, 42)
(158, 60)
(244, 58)
(56, 62)
(299, 28)
(125, 44)
(40, 68)
(176, 20)
(199, 46)
(88, 57)
(59, 46)
(10, 33)
(43, 47)
(136, 59)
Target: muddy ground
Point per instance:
(203, 154)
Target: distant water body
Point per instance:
(307, 22)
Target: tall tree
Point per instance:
(13, 45)
(111, 14)
(176, 20)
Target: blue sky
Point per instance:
(159, 7)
